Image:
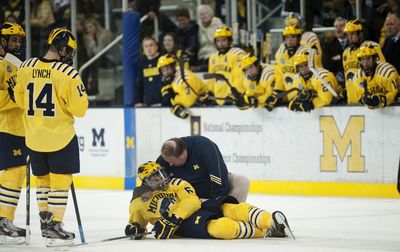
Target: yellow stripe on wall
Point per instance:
(324, 189)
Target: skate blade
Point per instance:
(282, 220)
(8, 240)
(53, 243)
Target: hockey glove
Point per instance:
(135, 231)
(374, 101)
(179, 111)
(11, 93)
(271, 101)
(306, 94)
(206, 99)
(165, 227)
(239, 99)
(251, 100)
(341, 98)
(167, 94)
(304, 106)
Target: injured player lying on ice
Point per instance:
(174, 209)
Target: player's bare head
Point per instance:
(12, 36)
(174, 151)
(63, 43)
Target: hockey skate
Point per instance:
(11, 234)
(280, 226)
(53, 232)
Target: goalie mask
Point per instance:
(153, 175)
(64, 42)
(12, 36)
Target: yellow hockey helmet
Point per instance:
(60, 37)
(223, 32)
(165, 60)
(366, 50)
(291, 30)
(248, 60)
(9, 28)
(153, 175)
(293, 19)
(353, 26)
(300, 58)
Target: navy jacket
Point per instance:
(204, 169)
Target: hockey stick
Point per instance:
(78, 216)
(324, 84)
(217, 76)
(104, 240)
(28, 202)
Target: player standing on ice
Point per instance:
(173, 207)
(51, 93)
(12, 135)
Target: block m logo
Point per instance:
(350, 137)
(98, 137)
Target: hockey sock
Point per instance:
(247, 213)
(225, 228)
(42, 192)
(10, 190)
(58, 195)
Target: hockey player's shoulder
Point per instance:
(29, 63)
(385, 69)
(237, 51)
(65, 69)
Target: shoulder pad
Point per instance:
(176, 181)
(139, 191)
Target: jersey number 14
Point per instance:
(43, 101)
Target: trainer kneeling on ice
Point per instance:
(173, 207)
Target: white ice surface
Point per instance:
(319, 224)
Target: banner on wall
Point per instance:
(334, 144)
(101, 142)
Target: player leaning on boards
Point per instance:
(199, 161)
(376, 82)
(317, 86)
(51, 93)
(173, 207)
(13, 151)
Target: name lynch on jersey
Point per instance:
(41, 73)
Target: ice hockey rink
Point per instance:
(319, 224)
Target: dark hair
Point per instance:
(183, 12)
(173, 147)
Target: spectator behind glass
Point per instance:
(96, 38)
(391, 47)
(170, 45)
(147, 90)
(333, 51)
(207, 26)
(14, 8)
(187, 34)
(391, 6)
(41, 21)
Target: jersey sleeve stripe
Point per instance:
(75, 74)
(64, 68)
(70, 71)
(29, 62)
(34, 62)
(176, 181)
(215, 179)
(59, 66)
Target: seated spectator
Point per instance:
(147, 89)
(391, 47)
(333, 51)
(41, 21)
(207, 26)
(187, 34)
(390, 7)
(170, 45)
(95, 38)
